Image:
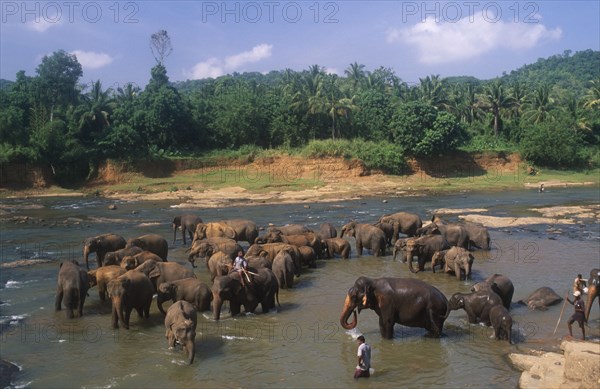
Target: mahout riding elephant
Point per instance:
(326, 231)
(159, 272)
(455, 260)
(180, 324)
(245, 230)
(477, 305)
(261, 288)
(455, 234)
(541, 299)
(132, 290)
(270, 250)
(133, 261)
(423, 248)
(71, 289)
(593, 291)
(284, 269)
(102, 277)
(258, 261)
(151, 242)
(403, 223)
(207, 247)
(308, 256)
(366, 236)
(406, 301)
(388, 230)
(188, 225)
(501, 322)
(400, 247)
(116, 257)
(337, 246)
(219, 264)
(499, 284)
(102, 244)
(188, 289)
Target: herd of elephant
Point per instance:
(130, 272)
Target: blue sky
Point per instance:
(211, 38)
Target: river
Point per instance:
(301, 345)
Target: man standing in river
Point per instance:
(579, 315)
(364, 358)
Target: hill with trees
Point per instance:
(549, 111)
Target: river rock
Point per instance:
(576, 368)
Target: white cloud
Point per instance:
(330, 70)
(467, 39)
(215, 67)
(41, 25)
(92, 60)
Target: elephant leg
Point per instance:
(436, 324)
(58, 300)
(127, 317)
(359, 249)
(386, 327)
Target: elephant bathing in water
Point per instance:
(405, 301)
(101, 245)
(366, 236)
(188, 225)
(593, 291)
(180, 323)
(541, 299)
(72, 288)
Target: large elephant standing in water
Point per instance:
(402, 222)
(101, 245)
(405, 301)
(366, 236)
(71, 288)
(593, 291)
(151, 242)
(188, 225)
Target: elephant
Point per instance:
(593, 291)
(180, 324)
(501, 322)
(291, 229)
(424, 248)
(400, 247)
(366, 236)
(245, 230)
(500, 284)
(479, 236)
(326, 231)
(258, 261)
(270, 250)
(308, 256)
(207, 247)
(306, 239)
(132, 290)
(403, 223)
(131, 262)
(102, 244)
(455, 260)
(159, 272)
(477, 305)
(188, 289)
(187, 223)
(262, 289)
(102, 277)
(541, 299)
(284, 269)
(214, 230)
(388, 230)
(406, 301)
(337, 246)
(116, 257)
(151, 242)
(71, 288)
(219, 264)
(455, 234)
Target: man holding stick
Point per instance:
(579, 315)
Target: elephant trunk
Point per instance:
(395, 252)
(348, 309)
(217, 304)
(409, 257)
(592, 294)
(117, 313)
(174, 232)
(457, 269)
(468, 266)
(342, 233)
(86, 254)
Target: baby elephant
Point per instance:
(180, 323)
(189, 289)
(502, 322)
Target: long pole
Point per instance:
(561, 312)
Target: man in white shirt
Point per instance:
(364, 358)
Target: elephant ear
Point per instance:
(154, 272)
(229, 232)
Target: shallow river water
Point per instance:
(301, 345)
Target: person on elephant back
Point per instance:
(240, 265)
(579, 284)
(579, 315)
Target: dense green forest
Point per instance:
(548, 111)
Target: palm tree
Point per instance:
(98, 105)
(495, 100)
(540, 105)
(592, 97)
(431, 91)
(518, 93)
(356, 74)
(127, 93)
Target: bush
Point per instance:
(552, 144)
